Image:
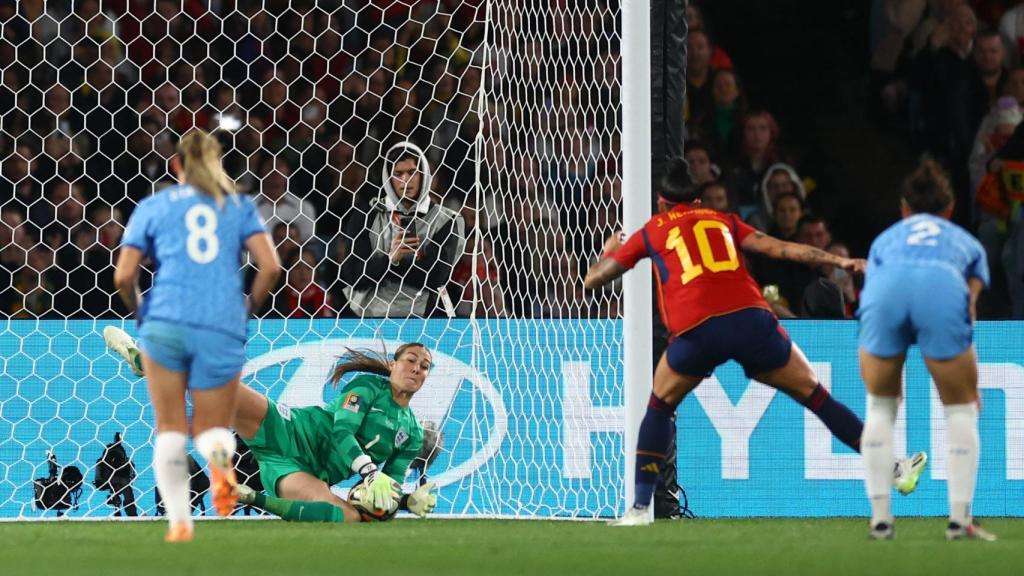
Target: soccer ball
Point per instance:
(357, 498)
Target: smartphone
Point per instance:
(408, 223)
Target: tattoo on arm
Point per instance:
(603, 272)
(809, 255)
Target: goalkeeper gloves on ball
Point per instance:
(421, 502)
(381, 491)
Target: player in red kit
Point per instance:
(714, 312)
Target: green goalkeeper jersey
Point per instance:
(363, 419)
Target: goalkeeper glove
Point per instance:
(421, 502)
(381, 491)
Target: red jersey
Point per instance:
(698, 265)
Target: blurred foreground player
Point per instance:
(715, 313)
(192, 323)
(923, 279)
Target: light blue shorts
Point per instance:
(210, 358)
(927, 306)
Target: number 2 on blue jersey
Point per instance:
(924, 234)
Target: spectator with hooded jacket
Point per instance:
(405, 245)
(779, 179)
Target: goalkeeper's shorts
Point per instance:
(211, 359)
(273, 447)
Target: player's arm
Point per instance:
(604, 271)
(975, 286)
(136, 242)
(762, 243)
(978, 277)
(126, 276)
(268, 268)
(348, 418)
(617, 259)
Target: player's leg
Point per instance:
(170, 461)
(883, 380)
(687, 354)
(250, 410)
(957, 382)
(303, 497)
(945, 337)
(217, 361)
(772, 358)
(656, 429)
(213, 409)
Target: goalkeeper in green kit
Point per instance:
(368, 429)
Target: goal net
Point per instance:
(501, 118)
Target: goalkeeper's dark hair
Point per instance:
(927, 190)
(368, 361)
(201, 163)
(676, 185)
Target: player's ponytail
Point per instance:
(367, 361)
(201, 162)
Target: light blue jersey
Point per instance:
(915, 289)
(196, 247)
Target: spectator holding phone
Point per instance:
(405, 245)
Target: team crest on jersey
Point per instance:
(351, 403)
(401, 437)
(284, 411)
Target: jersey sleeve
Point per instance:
(740, 229)
(139, 234)
(398, 465)
(348, 418)
(252, 222)
(634, 250)
(873, 259)
(978, 267)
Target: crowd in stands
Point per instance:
(97, 95)
(94, 101)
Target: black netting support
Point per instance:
(668, 92)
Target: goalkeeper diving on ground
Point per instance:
(715, 313)
(368, 430)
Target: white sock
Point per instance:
(170, 465)
(876, 447)
(962, 445)
(212, 439)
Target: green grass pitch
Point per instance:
(498, 547)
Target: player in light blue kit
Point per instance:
(192, 322)
(923, 279)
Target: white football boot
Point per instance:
(634, 517)
(908, 471)
(120, 342)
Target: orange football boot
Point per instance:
(223, 484)
(179, 532)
